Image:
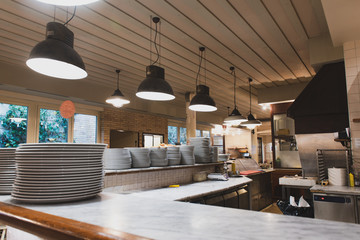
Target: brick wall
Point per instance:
(352, 70)
(131, 121)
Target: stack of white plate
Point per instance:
(223, 157)
(140, 157)
(337, 176)
(158, 157)
(117, 159)
(202, 149)
(173, 155)
(57, 172)
(214, 153)
(187, 155)
(7, 169)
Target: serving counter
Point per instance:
(126, 216)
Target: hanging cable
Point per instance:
(118, 72)
(205, 66)
(201, 50)
(250, 80)
(233, 73)
(54, 12)
(71, 17)
(156, 20)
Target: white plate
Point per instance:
(58, 166)
(59, 170)
(58, 182)
(55, 191)
(56, 200)
(57, 178)
(53, 195)
(62, 144)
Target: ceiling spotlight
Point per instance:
(68, 2)
(251, 122)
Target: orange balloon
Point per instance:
(67, 109)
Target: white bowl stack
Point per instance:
(202, 149)
(58, 172)
(158, 157)
(187, 155)
(223, 157)
(173, 155)
(7, 169)
(140, 157)
(117, 159)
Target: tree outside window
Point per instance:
(13, 125)
(53, 127)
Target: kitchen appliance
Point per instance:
(334, 207)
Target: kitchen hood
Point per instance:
(322, 106)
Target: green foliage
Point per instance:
(172, 134)
(13, 133)
(53, 127)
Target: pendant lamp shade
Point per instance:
(202, 102)
(235, 118)
(251, 122)
(68, 2)
(117, 99)
(55, 56)
(154, 87)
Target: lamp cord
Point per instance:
(197, 75)
(233, 72)
(117, 80)
(157, 50)
(250, 92)
(71, 17)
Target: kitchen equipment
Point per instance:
(334, 207)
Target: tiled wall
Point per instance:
(144, 180)
(352, 70)
(131, 121)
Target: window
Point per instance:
(13, 125)
(206, 133)
(198, 133)
(172, 135)
(152, 140)
(182, 135)
(85, 128)
(52, 127)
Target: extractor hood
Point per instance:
(322, 106)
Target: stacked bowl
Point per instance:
(214, 153)
(223, 157)
(202, 149)
(173, 155)
(187, 155)
(58, 172)
(140, 157)
(158, 157)
(117, 159)
(7, 169)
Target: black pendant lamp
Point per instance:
(202, 102)
(251, 122)
(117, 99)
(154, 87)
(235, 118)
(68, 2)
(55, 56)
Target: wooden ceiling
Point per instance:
(266, 40)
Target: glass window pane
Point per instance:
(13, 125)
(148, 140)
(172, 135)
(53, 127)
(182, 135)
(198, 133)
(206, 133)
(158, 139)
(85, 128)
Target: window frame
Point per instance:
(35, 103)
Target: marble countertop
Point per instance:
(336, 189)
(193, 190)
(163, 219)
